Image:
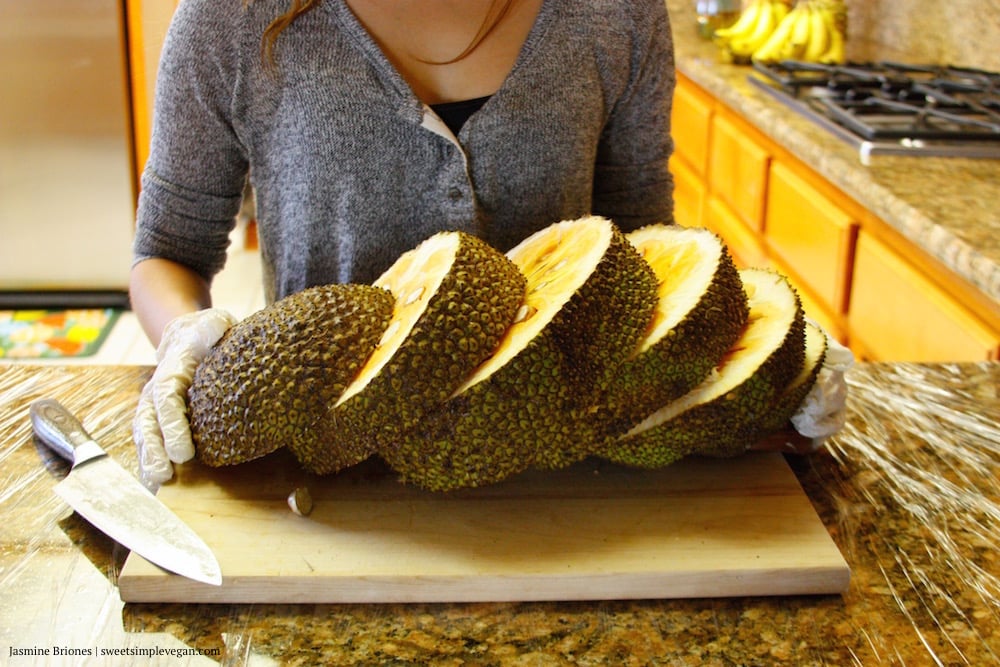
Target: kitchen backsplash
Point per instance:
(955, 32)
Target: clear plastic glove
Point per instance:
(160, 429)
(823, 412)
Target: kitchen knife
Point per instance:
(114, 501)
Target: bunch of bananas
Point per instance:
(771, 31)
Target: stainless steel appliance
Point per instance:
(888, 108)
(66, 174)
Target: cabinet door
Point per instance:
(810, 235)
(690, 121)
(897, 314)
(148, 21)
(744, 246)
(689, 194)
(738, 171)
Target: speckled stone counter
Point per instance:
(908, 490)
(946, 206)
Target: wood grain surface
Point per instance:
(699, 528)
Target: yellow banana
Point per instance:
(819, 37)
(836, 52)
(745, 23)
(780, 10)
(800, 31)
(772, 48)
(744, 46)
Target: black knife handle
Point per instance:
(59, 429)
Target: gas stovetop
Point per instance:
(888, 108)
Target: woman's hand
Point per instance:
(824, 409)
(160, 428)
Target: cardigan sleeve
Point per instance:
(632, 183)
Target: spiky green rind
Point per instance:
(491, 430)
(460, 328)
(682, 359)
(596, 331)
(270, 380)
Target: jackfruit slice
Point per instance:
(588, 300)
(788, 402)
(719, 417)
(455, 297)
(700, 313)
(270, 380)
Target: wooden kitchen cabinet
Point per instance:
(746, 249)
(690, 121)
(689, 194)
(865, 284)
(898, 313)
(812, 236)
(738, 170)
(147, 21)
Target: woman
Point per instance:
(365, 126)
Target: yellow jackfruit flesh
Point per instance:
(455, 298)
(269, 382)
(718, 418)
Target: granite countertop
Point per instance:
(908, 491)
(946, 206)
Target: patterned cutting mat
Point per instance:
(51, 334)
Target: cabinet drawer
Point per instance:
(738, 171)
(897, 314)
(690, 120)
(689, 194)
(811, 235)
(744, 246)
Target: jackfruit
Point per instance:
(788, 402)
(700, 313)
(588, 300)
(455, 296)
(461, 365)
(270, 380)
(718, 418)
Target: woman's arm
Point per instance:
(192, 183)
(160, 290)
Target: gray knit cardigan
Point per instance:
(350, 169)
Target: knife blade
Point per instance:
(116, 503)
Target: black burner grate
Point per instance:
(894, 102)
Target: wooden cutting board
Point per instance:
(699, 528)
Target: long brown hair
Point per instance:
(497, 11)
(295, 10)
